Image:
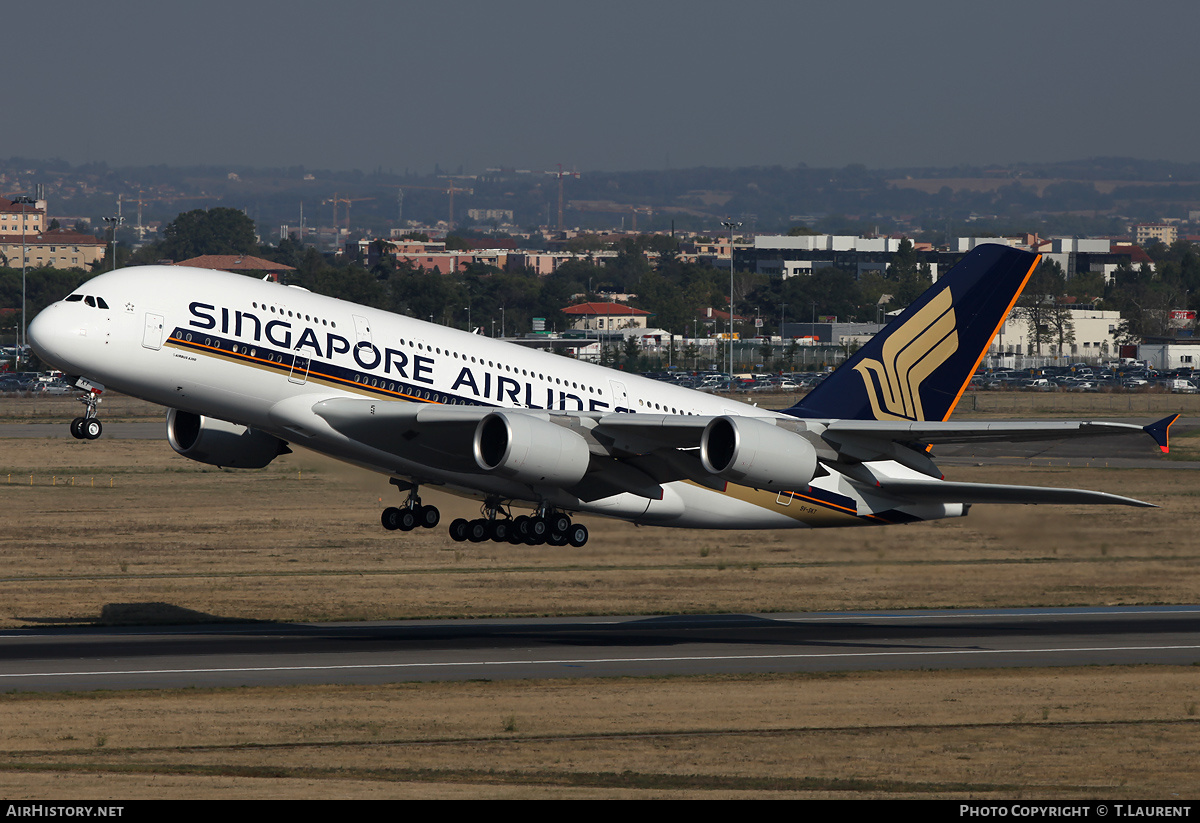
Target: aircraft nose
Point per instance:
(50, 335)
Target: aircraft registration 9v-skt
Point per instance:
(248, 367)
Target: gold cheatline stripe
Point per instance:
(271, 365)
(769, 500)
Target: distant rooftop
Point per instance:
(234, 263)
(605, 309)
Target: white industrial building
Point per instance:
(788, 256)
(1094, 332)
(1168, 355)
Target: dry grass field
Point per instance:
(127, 531)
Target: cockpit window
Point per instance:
(94, 302)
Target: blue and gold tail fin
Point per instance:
(919, 365)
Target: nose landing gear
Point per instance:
(88, 427)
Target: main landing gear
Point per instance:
(88, 427)
(412, 514)
(498, 525)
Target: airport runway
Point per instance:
(83, 659)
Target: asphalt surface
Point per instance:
(82, 659)
(143, 430)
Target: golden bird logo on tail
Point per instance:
(910, 355)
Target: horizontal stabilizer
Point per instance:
(976, 432)
(918, 491)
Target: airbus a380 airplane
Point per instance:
(248, 367)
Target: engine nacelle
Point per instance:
(752, 453)
(530, 449)
(212, 441)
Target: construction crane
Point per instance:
(613, 208)
(450, 190)
(560, 174)
(347, 201)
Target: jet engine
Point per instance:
(531, 450)
(212, 441)
(753, 453)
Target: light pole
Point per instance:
(114, 222)
(812, 330)
(731, 225)
(24, 201)
(502, 322)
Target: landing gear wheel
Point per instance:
(499, 530)
(407, 520)
(88, 427)
(559, 522)
(521, 526)
(429, 517)
(390, 518)
(458, 530)
(477, 531)
(557, 539)
(577, 535)
(539, 529)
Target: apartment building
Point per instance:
(58, 249)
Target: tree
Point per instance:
(766, 351)
(1041, 307)
(631, 353)
(801, 231)
(691, 354)
(208, 231)
(908, 275)
(1062, 325)
(790, 354)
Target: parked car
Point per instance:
(56, 387)
(1179, 386)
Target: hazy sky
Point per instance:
(610, 85)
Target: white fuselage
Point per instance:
(260, 354)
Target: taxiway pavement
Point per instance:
(88, 658)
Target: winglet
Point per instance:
(1160, 431)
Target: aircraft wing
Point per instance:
(638, 453)
(647, 432)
